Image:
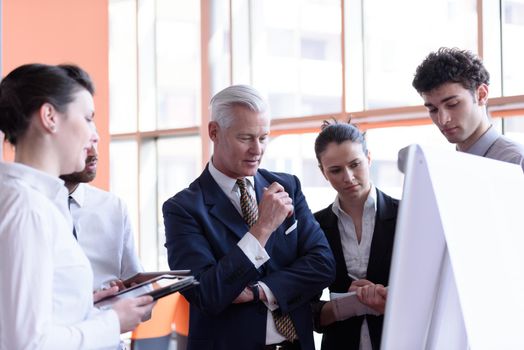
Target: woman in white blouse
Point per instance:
(46, 301)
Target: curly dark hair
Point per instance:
(450, 65)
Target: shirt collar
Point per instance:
(79, 194)
(370, 201)
(226, 183)
(482, 145)
(51, 186)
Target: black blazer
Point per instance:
(346, 334)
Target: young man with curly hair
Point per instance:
(454, 86)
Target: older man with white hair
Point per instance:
(248, 236)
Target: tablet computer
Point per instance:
(156, 287)
(142, 277)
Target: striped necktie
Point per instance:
(249, 208)
(247, 203)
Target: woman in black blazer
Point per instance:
(360, 228)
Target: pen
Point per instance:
(353, 277)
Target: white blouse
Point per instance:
(356, 254)
(46, 298)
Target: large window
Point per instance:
(512, 54)
(397, 35)
(178, 164)
(177, 61)
(124, 175)
(155, 110)
(122, 66)
(514, 128)
(313, 59)
(296, 56)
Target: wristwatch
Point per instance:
(254, 289)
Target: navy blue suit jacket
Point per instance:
(202, 231)
(346, 334)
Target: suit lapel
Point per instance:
(382, 242)
(220, 205)
(330, 226)
(260, 184)
(333, 235)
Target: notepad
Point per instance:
(346, 305)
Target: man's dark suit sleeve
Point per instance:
(222, 280)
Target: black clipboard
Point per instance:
(157, 287)
(142, 277)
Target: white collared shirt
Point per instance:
(46, 297)
(250, 245)
(356, 255)
(103, 229)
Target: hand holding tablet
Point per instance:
(156, 287)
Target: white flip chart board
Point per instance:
(457, 274)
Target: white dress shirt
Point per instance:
(250, 246)
(103, 229)
(46, 298)
(356, 254)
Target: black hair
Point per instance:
(333, 131)
(450, 65)
(28, 87)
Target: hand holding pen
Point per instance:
(357, 282)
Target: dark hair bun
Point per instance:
(24, 90)
(12, 119)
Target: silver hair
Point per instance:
(244, 95)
